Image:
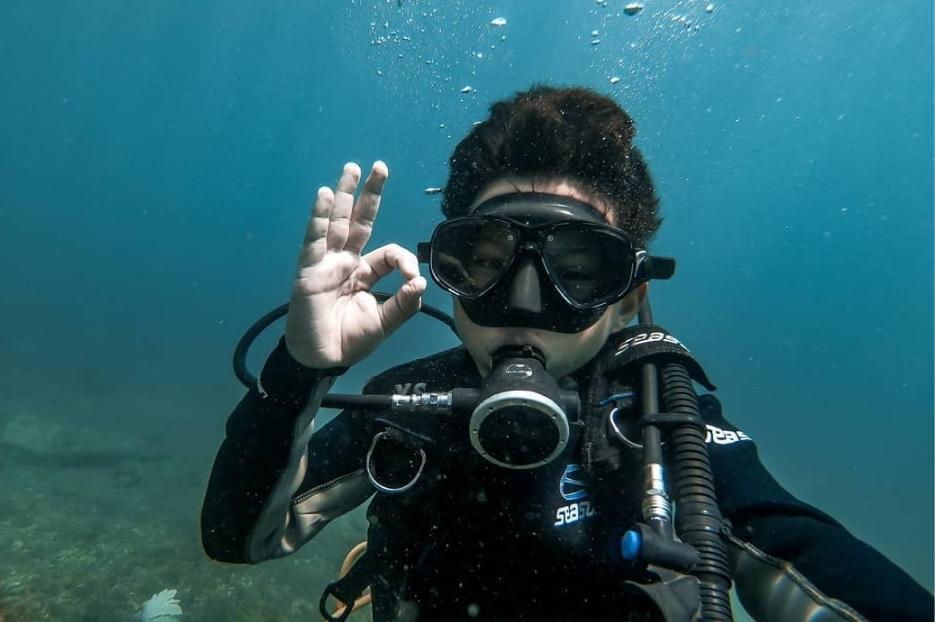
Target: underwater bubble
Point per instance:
(595, 33)
(473, 610)
(614, 79)
(433, 190)
(709, 8)
(595, 41)
(633, 8)
(498, 22)
(467, 89)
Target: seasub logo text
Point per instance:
(644, 338)
(573, 488)
(720, 436)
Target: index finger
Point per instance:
(366, 208)
(315, 243)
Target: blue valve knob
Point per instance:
(631, 544)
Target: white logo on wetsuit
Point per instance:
(409, 388)
(720, 436)
(652, 337)
(573, 488)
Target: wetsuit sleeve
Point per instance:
(263, 499)
(791, 561)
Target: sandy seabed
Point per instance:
(95, 521)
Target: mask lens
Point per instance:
(518, 436)
(469, 256)
(589, 265)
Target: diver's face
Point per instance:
(564, 352)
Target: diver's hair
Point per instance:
(574, 134)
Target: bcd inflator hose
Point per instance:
(698, 519)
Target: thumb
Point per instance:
(403, 305)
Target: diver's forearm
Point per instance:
(261, 462)
(791, 567)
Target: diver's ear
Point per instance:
(629, 306)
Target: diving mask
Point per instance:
(536, 260)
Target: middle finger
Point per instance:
(365, 211)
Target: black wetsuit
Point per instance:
(472, 541)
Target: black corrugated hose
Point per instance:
(698, 519)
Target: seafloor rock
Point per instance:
(33, 438)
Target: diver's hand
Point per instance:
(333, 319)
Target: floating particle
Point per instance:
(614, 79)
(595, 33)
(379, 72)
(407, 38)
(709, 8)
(633, 8)
(476, 123)
(503, 37)
(595, 41)
(467, 89)
(433, 190)
(600, 2)
(498, 22)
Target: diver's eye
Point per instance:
(488, 263)
(576, 275)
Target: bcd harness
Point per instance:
(679, 577)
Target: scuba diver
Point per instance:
(520, 475)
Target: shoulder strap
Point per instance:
(636, 344)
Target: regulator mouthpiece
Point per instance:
(521, 419)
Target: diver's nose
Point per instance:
(525, 292)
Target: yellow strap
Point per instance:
(349, 561)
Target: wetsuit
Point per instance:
(472, 541)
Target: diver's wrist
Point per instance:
(283, 377)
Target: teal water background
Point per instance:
(158, 161)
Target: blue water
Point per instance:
(158, 161)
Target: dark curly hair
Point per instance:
(572, 133)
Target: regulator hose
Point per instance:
(248, 380)
(698, 519)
